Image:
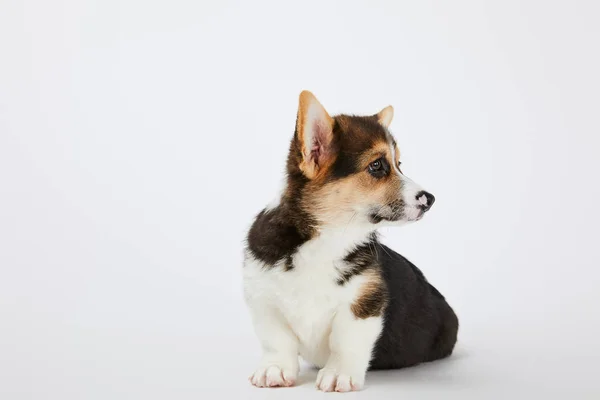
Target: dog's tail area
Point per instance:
(445, 341)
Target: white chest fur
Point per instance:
(308, 296)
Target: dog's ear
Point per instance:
(314, 128)
(385, 116)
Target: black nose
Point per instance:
(425, 200)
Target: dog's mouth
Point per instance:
(395, 214)
(375, 218)
(389, 212)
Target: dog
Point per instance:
(317, 281)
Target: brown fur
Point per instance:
(372, 297)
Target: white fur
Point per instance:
(304, 311)
(412, 208)
(350, 343)
(409, 193)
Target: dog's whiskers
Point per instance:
(350, 221)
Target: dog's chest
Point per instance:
(309, 299)
(307, 296)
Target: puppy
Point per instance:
(317, 281)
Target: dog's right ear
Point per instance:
(314, 128)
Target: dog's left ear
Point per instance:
(314, 128)
(385, 116)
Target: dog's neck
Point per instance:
(336, 237)
(339, 240)
(286, 227)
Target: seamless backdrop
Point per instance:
(139, 138)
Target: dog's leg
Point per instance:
(351, 344)
(279, 365)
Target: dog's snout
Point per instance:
(425, 200)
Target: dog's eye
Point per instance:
(375, 166)
(379, 168)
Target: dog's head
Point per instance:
(347, 168)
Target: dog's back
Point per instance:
(424, 331)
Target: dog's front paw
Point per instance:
(273, 376)
(332, 379)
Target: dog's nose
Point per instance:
(425, 200)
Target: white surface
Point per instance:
(138, 138)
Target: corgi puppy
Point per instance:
(317, 281)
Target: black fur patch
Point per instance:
(277, 233)
(344, 165)
(289, 263)
(353, 134)
(359, 260)
(272, 237)
(419, 325)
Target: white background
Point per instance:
(139, 138)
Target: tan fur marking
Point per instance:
(380, 149)
(372, 296)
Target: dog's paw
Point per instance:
(272, 376)
(331, 380)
